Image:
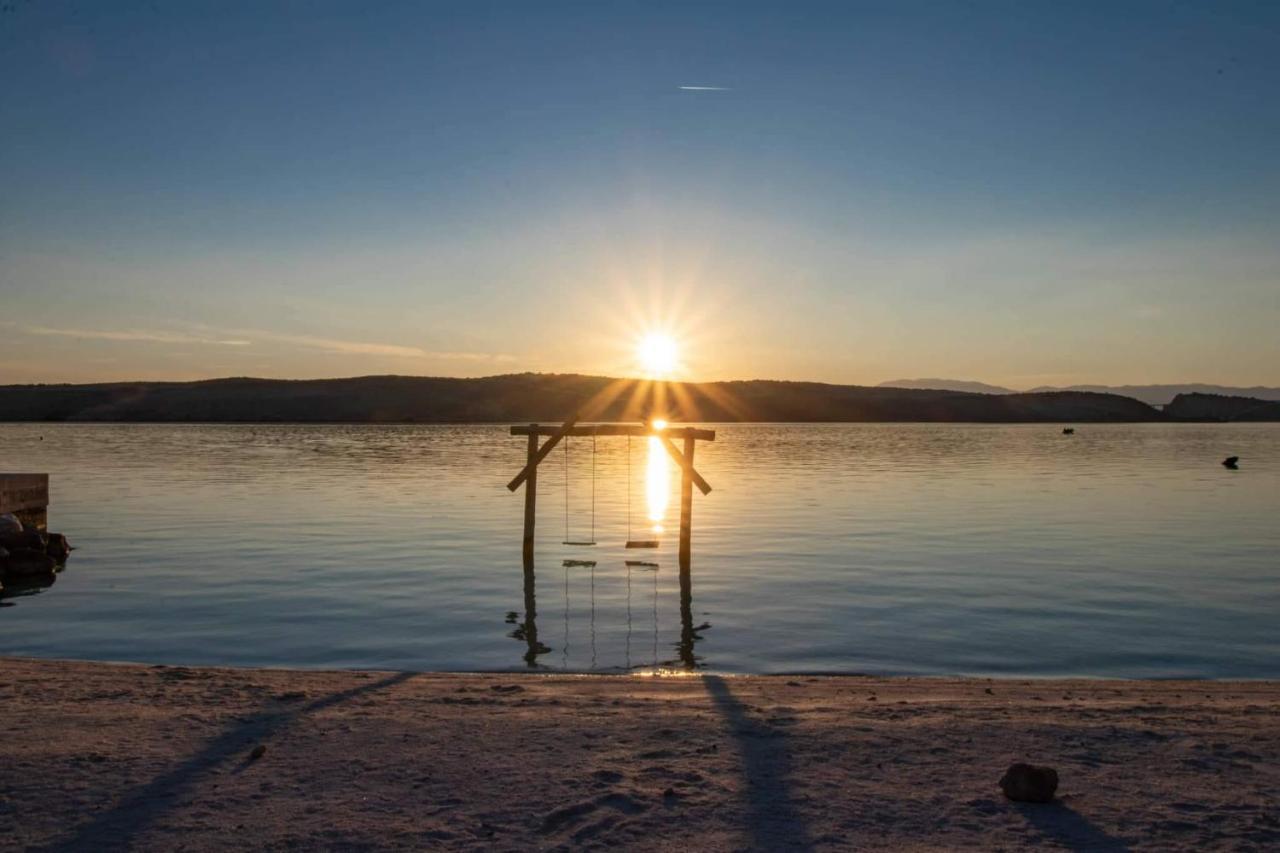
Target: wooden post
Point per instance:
(686, 503)
(530, 498)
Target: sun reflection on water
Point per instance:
(657, 482)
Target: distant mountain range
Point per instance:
(550, 398)
(1154, 395)
(947, 385)
(540, 397)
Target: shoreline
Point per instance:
(117, 755)
(663, 672)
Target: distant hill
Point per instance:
(1153, 395)
(1219, 407)
(947, 385)
(1159, 395)
(1150, 395)
(541, 397)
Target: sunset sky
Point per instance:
(1022, 193)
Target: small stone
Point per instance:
(9, 525)
(257, 752)
(1027, 783)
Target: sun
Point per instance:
(658, 354)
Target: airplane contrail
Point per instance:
(706, 88)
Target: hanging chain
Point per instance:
(593, 487)
(566, 488)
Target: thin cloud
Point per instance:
(341, 347)
(144, 336)
(704, 88)
(246, 337)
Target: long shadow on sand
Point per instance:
(1063, 825)
(772, 818)
(116, 829)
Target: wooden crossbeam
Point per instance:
(542, 452)
(685, 465)
(637, 430)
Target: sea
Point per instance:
(1122, 550)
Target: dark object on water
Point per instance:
(24, 537)
(27, 562)
(1068, 430)
(31, 585)
(1027, 783)
(1230, 462)
(642, 543)
(58, 548)
(257, 752)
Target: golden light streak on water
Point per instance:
(657, 483)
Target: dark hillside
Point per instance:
(1219, 407)
(540, 397)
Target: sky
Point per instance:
(1022, 193)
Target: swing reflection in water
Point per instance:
(526, 630)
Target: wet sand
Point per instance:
(108, 757)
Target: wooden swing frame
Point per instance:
(536, 452)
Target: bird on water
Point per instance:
(1231, 462)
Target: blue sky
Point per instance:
(1024, 193)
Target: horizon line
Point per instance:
(678, 380)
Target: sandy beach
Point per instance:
(109, 757)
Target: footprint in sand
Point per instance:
(569, 815)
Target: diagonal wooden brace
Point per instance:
(542, 453)
(703, 485)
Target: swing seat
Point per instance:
(642, 543)
(576, 542)
(579, 564)
(641, 564)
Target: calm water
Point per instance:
(1119, 551)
